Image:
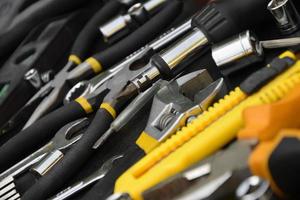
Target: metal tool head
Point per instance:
(228, 170)
(68, 135)
(179, 102)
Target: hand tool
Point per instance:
(232, 158)
(43, 159)
(212, 24)
(22, 75)
(79, 51)
(137, 15)
(180, 54)
(285, 14)
(103, 60)
(184, 97)
(84, 147)
(276, 160)
(71, 190)
(31, 137)
(265, 121)
(27, 19)
(174, 106)
(216, 128)
(244, 49)
(189, 84)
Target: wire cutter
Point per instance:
(54, 92)
(91, 97)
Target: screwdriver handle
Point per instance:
(224, 18)
(277, 161)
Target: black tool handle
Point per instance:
(90, 32)
(30, 17)
(105, 186)
(141, 36)
(38, 134)
(74, 160)
(224, 18)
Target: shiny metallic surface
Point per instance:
(112, 27)
(121, 22)
(176, 102)
(47, 163)
(184, 48)
(34, 78)
(153, 4)
(171, 35)
(232, 50)
(149, 75)
(253, 188)
(285, 14)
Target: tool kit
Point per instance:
(149, 99)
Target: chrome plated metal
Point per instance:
(285, 14)
(235, 49)
(34, 78)
(184, 48)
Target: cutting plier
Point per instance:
(75, 71)
(16, 91)
(31, 138)
(113, 103)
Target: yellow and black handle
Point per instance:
(42, 131)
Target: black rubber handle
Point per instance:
(224, 18)
(52, 182)
(38, 134)
(104, 187)
(90, 32)
(30, 17)
(141, 36)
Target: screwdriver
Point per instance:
(214, 23)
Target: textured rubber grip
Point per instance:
(38, 134)
(141, 36)
(90, 32)
(224, 18)
(104, 187)
(73, 161)
(29, 18)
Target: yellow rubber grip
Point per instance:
(109, 109)
(201, 138)
(95, 65)
(75, 59)
(85, 104)
(146, 142)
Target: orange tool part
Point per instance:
(264, 122)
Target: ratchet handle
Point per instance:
(277, 161)
(73, 161)
(90, 32)
(39, 133)
(141, 36)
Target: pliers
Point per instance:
(31, 137)
(108, 111)
(71, 73)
